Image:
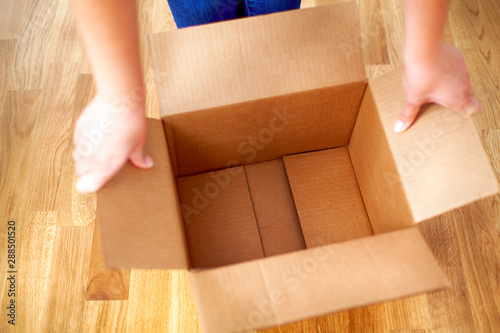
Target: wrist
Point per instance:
(132, 98)
(129, 102)
(425, 56)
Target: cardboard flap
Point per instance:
(440, 159)
(376, 173)
(139, 214)
(252, 58)
(289, 287)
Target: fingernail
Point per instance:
(149, 161)
(473, 108)
(87, 184)
(398, 126)
(471, 111)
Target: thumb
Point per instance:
(140, 159)
(473, 105)
(406, 117)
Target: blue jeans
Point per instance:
(194, 12)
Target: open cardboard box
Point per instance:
(298, 199)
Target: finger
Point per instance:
(77, 134)
(84, 166)
(88, 183)
(83, 149)
(99, 174)
(406, 117)
(140, 159)
(76, 155)
(473, 105)
(84, 161)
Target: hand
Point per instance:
(443, 80)
(105, 137)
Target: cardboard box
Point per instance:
(298, 198)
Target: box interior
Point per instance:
(256, 187)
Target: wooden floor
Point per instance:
(61, 285)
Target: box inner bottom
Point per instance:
(259, 210)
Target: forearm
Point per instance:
(109, 30)
(424, 21)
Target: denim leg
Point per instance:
(194, 12)
(259, 7)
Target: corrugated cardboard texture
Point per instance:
(274, 208)
(281, 239)
(259, 57)
(317, 281)
(271, 195)
(440, 159)
(376, 172)
(139, 217)
(327, 197)
(219, 219)
(262, 130)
